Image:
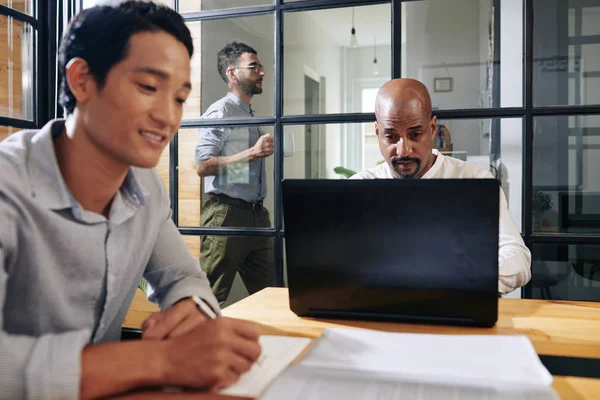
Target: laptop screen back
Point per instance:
(393, 248)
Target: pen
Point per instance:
(204, 308)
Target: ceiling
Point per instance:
(370, 22)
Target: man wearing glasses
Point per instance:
(232, 162)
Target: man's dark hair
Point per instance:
(100, 35)
(229, 55)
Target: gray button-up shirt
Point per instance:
(67, 275)
(245, 180)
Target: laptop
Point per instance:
(411, 250)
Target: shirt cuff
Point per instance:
(54, 370)
(182, 291)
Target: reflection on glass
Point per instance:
(337, 151)
(323, 73)
(454, 48)
(210, 37)
(566, 49)
(7, 130)
(16, 69)
(235, 266)
(240, 184)
(204, 5)
(566, 189)
(565, 272)
(25, 6)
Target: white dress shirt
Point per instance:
(514, 258)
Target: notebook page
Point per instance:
(277, 353)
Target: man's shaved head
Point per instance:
(405, 127)
(396, 94)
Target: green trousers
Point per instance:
(221, 257)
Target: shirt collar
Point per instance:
(436, 165)
(244, 106)
(47, 183)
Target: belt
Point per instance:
(254, 206)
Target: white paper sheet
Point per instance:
(277, 353)
(365, 364)
(300, 383)
(489, 360)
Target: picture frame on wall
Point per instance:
(443, 84)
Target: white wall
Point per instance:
(443, 39)
(358, 74)
(511, 94)
(308, 46)
(215, 35)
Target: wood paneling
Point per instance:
(189, 181)
(189, 212)
(193, 105)
(11, 80)
(7, 130)
(193, 243)
(25, 6)
(163, 167)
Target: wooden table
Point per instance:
(556, 328)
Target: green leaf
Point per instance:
(143, 285)
(344, 171)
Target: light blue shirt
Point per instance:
(67, 275)
(244, 180)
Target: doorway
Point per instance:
(314, 161)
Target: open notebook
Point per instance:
(363, 364)
(277, 353)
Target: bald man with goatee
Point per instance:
(406, 130)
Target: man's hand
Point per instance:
(211, 356)
(177, 320)
(263, 147)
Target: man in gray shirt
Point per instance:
(232, 163)
(84, 215)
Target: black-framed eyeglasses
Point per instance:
(258, 68)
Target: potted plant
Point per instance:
(540, 204)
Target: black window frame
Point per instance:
(279, 9)
(42, 24)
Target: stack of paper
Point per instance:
(364, 364)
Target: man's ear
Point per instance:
(81, 83)
(376, 129)
(231, 75)
(433, 126)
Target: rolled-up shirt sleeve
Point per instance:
(514, 258)
(45, 367)
(210, 140)
(172, 271)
